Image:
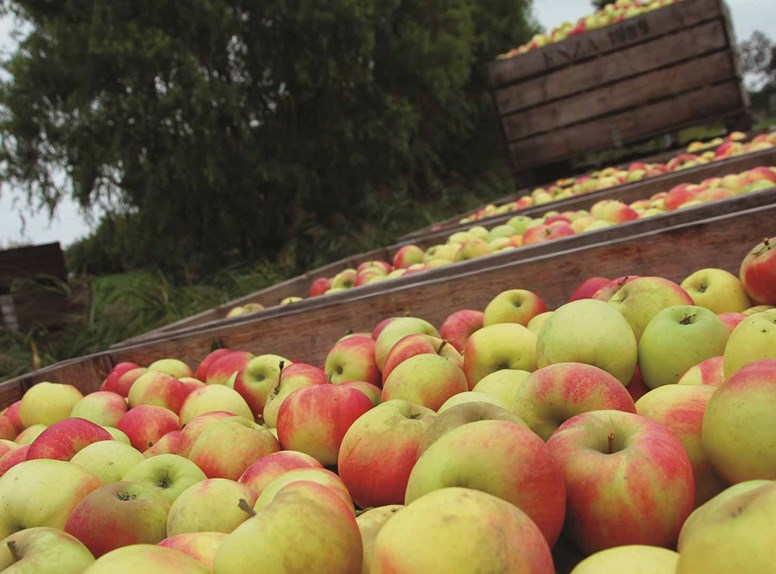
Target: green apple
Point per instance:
(752, 340)
(513, 306)
(47, 403)
(170, 473)
(502, 384)
(370, 523)
(148, 559)
(260, 376)
(395, 330)
(212, 505)
(589, 331)
(676, 339)
(536, 323)
(41, 550)
(634, 559)
(214, 398)
(497, 347)
(108, 459)
(718, 290)
(427, 380)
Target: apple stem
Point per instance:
(12, 549)
(329, 375)
(687, 319)
(766, 243)
(245, 507)
(611, 442)
(441, 346)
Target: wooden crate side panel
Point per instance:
(705, 104)
(665, 84)
(653, 55)
(629, 32)
(46, 259)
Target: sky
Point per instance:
(69, 224)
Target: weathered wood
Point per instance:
(702, 105)
(24, 262)
(720, 239)
(602, 41)
(664, 84)
(665, 51)
(299, 286)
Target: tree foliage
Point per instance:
(758, 60)
(227, 130)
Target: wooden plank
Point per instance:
(616, 37)
(270, 296)
(649, 56)
(692, 108)
(308, 332)
(664, 84)
(21, 262)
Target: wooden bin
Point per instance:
(656, 73)
(299, 286)
(306, 332)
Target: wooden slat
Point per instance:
(649, 56)
(616, 37)
(21, 262)
(706, 104)
(664, 84)
(307, 333)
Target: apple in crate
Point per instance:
(390, 332)
(212, 505)
(42, 549)
(419, 344)
(267, 468)
(628, 480)
(63, 439)
(292, 377)
(497, 347)
(353, 359)
(171, 474)
(427, 380)
(103, 407)
(717, 290)
(459, 326)
(110, 382)
(119, 514)
(322, 476)
(228, 367)
(460, 530)
(204, 365)
(210, 398)
(754, 339)
(513, 306)
(47, 403)
(108, 459)
(758, 272)
(147, 558)
(146, 424)
(158, 389)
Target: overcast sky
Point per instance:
(69, 224)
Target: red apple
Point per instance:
(146, 424)
(204, 366)
(758, 272)
(111, 381)
(158, 389)
(353, 359)
(63, 439)
(125, 381)
(12, 458)
(588, 288)
(103, 407)
(459, 326)
(225, 369)
(319, 286)
(258, 475)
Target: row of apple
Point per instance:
(609, 14)
(220, 488)
(609, 177)
(522, 230)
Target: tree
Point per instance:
(225, 130)
(758, 60)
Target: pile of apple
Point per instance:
(636, 420)
(609, 177)
(522, 230)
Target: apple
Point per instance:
(170, 443)
(708, 372)
(501, 458)
(119, 514)
(196, 427)
(213, 398)
(227, 368)
(427, 380)
(146, 424)
(262, 472)
(353, 359)
(306, 528)
(29, 434)
(395, 329)
(379, 450)
(628, 480)
(314, 419)
(125, 381)
(212, 505)
(13, 414)
(471, 397)
(319, 286)
(419, 344)
(639, 300)
(47, 403)
(173, 367)
(110, 460)
(210, 358)
(257, 381)
(12, 458)
(7, 446)
(605, 293)
(676, 339)
(718, 290)
(592, 332)
(588, 287)
(407, 255)
(680, 409)
(229, 446)
(738, 436)
(7, 429)
(633, 558)
(497, 347)
(731, 320)
(43, 549)
(459, 326)
(371, 392)
(733, 532)
(322, 476)
(158, 389)
(370, 522)
(513, 306)
(345, 279)
(502, 384)
(42, 492)
(754, 339)
(147, 558)
(110, 382)
(170, 473)
(295, 376)
(460, 530)
(758, 272)
(65, 438)
(103, 407)
(202, 546)
(555, 393)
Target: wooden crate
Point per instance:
(656, 73)
(625, 192)
(299, 286)
(306, 332)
